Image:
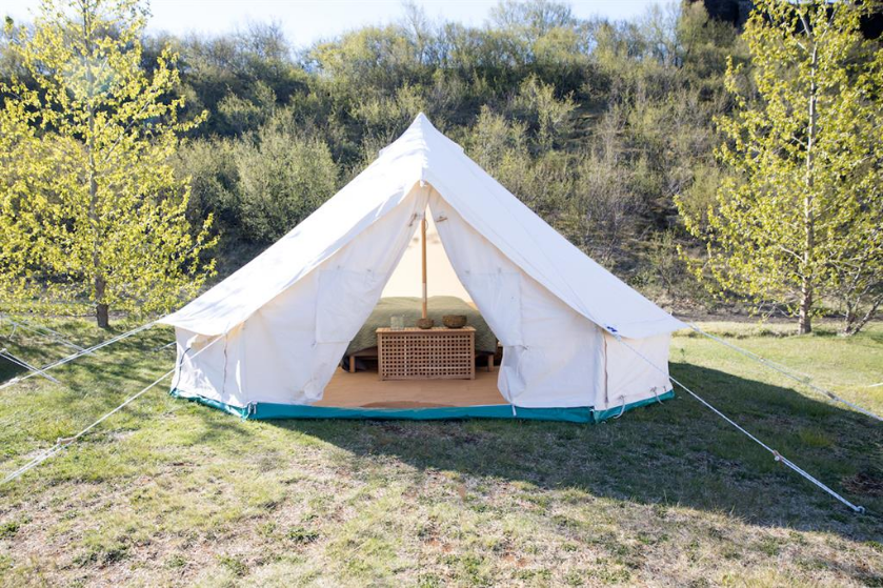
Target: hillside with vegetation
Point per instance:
(595, 125)
(615, 132)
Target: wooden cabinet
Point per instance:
(426, 354)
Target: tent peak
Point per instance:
(420, 136)
(421, 120)
(422, 125)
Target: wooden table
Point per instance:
(426, 354)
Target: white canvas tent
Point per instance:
(286, 317)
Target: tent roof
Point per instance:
(423, 154)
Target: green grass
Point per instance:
(172, 493)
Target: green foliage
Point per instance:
(261, 186)
(90, 208)
(800, 216)
(549, 118)
(282, 179)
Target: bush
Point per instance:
(283, 178)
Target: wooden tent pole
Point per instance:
(423, 242)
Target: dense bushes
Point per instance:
(261, 185)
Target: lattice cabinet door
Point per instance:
(426, 354)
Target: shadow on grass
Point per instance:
(9, 370)
(676, 453)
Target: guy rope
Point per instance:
(39, 330)
(776, 455)
(63, 442)
(88, 351)
(798, 377)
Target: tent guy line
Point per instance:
(63, 442)
(5, 354)
(796, 376)
(72, 357)
(776, 455)
(40, 330)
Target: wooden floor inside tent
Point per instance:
(364, 389)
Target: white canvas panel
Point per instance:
(209, 368)
(279, 341)
(338, 311)
(552, 355)
(631, 378)
(501, 294)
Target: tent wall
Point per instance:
(552, 355)
(209, 368)
(629, 377)
(287, 351)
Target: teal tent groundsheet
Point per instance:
(578, 414)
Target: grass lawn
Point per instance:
(171, 493)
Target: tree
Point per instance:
(90, 207)
(799, 217)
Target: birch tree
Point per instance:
(90, 209)
(799, 218)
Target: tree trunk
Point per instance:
(805, 320)
(101, 308)
(101, 313)
(99, 283)
(806, 286)
(854, 323)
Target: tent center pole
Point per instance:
(423, 251)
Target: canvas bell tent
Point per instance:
(279, 327)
